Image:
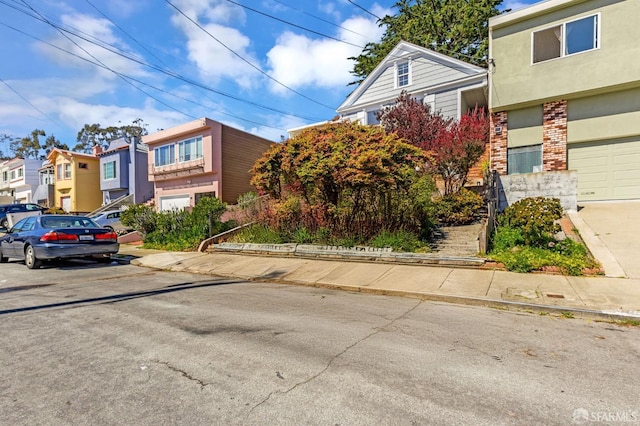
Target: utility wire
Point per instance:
(293, 25)
(107, 67)
(170, 73)
(320, 18)
(362, 8)
(140, 81)
(27, 101)
(247, 61)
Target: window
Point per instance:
(21, 172)
(527, 159)
(191, 149)
(566, 39)
(165, 155)
(83, 166)
(5, 176)
(46, 177)
(109, 170)
(13, 174)
(67, 170)
(59, 171)
(403, 74)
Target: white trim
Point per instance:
(411, 51)
(563, 37)
(482, 78)
(465, 89)
(528, 12)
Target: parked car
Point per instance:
(17, 208)
(48, 237)
(110, 218)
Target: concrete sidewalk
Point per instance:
(614, 298)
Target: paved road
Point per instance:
(83, 343)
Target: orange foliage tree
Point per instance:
(346, 179)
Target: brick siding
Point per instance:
(498, 142)
(554, 136)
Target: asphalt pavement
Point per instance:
(610, 230)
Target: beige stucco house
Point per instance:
(201, 158)
(77, 181)
(564, 82)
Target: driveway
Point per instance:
(617, 224)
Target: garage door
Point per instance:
(607, 170)
(174, 202)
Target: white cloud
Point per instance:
(299, 61)
(99, 31)
(213, 51)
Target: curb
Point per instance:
(507, 305)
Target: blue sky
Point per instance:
(69, 63)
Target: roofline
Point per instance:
(181, 129)
(527, 12)
(450, 84)
(380, 67)
(70, 153)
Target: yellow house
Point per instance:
(77, 186)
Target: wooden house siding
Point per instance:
(381, 89)
(240, 151)
(447, 103)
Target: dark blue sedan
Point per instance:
(46, 237)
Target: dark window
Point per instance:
(526, 159)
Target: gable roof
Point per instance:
(404, 51)
(68, 154)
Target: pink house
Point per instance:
(201, 158)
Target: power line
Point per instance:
(362, 8)
(139, 81)
(169, 73)
(107, 67)
(320, 19)
(293, 25)
(245, 60)
(27, 101)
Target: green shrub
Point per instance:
(140, 217)
(258, 234)
(507, 237)
(398, 241)
(459, 208)
(302, 236)
(536, 217)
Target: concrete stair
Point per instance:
(459, 240)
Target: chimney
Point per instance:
(97, 149)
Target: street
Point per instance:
(86, 343)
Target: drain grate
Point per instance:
(555, 296)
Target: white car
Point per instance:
(109, 218)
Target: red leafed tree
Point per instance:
(454, 146)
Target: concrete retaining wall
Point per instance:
(561, 184)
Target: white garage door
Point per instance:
(606, 170)
(174, 202)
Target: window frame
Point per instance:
(105, 166)
(197, 141)
(563, 38)
(528, 148)
(398, 75)
(171, 154)
(67, 170)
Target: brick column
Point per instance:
(554, 136)
(498, 142)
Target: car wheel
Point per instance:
(3, 259)
(4, 223)
(30, 258)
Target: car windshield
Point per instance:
(68, 222)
